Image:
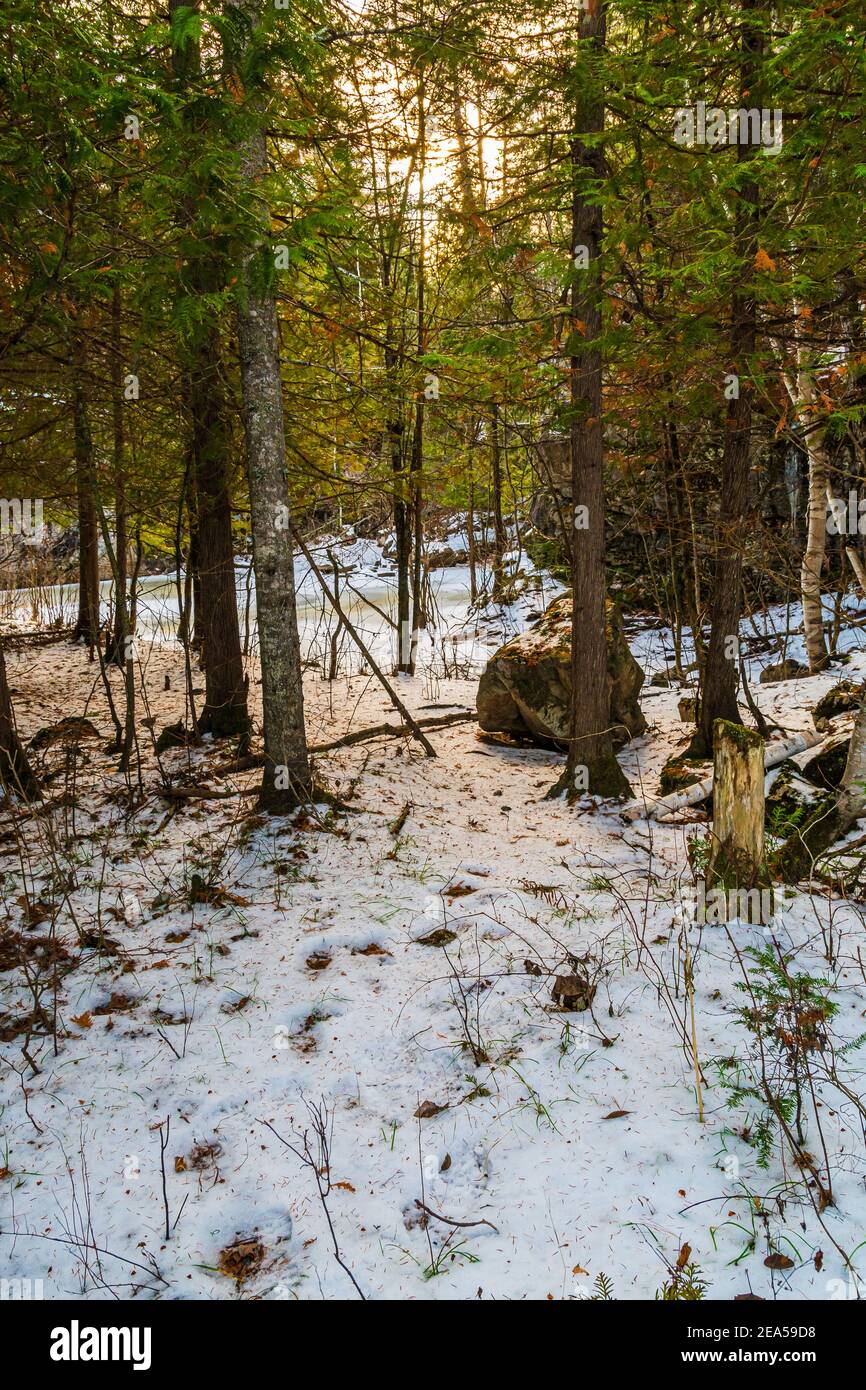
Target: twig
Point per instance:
(449, 1222)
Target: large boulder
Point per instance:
(526, 686)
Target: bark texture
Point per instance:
(590, 745)
(737, 857)
(216, 616)
(718, 697)
(286, 779)
(87, 622)
(16, 774)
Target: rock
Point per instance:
(789, 800)
(572, 992)
(687, 709)
(788, 670)
(446, 557)
(525, 689)
(67, 730)
(174, 736)
(548, 553)
(839, 699)
(825, 768)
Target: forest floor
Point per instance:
(210, 973)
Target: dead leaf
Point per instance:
(83, 1020)
(440, 937)
(319, 960)
(427, 1109)
(779, 1261)
(242, 1260)
(616, 1114)
(763, 261)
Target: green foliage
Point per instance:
(603, 1287)
(685, 1285)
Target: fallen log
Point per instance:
(40, 638)
(253, 760)
(392, 731)
(650, 808)
(204, 793)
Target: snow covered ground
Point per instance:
(215, 972)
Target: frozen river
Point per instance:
(457, 641)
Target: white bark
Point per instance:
(800, 386)
(774, 753)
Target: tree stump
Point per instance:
(736, 883)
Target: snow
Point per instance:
(459, 638)
(215, 1017)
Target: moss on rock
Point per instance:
(525, 689)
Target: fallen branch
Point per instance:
(428, 1211)
(205, 793)
(39, 638)
(364, 650)
(358, 736)
(390, 731)
(774, 754)
(397, 825)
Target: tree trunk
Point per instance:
(16, 775)
(402, 511)
(419, 618)
(216, 617)
(718, 696)
(590, 747)
(737, 856)
(496, 491)
(470, 527)
(117, 649)
(87, 623)
(813, 554)
(800, 386)
(286, 781)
